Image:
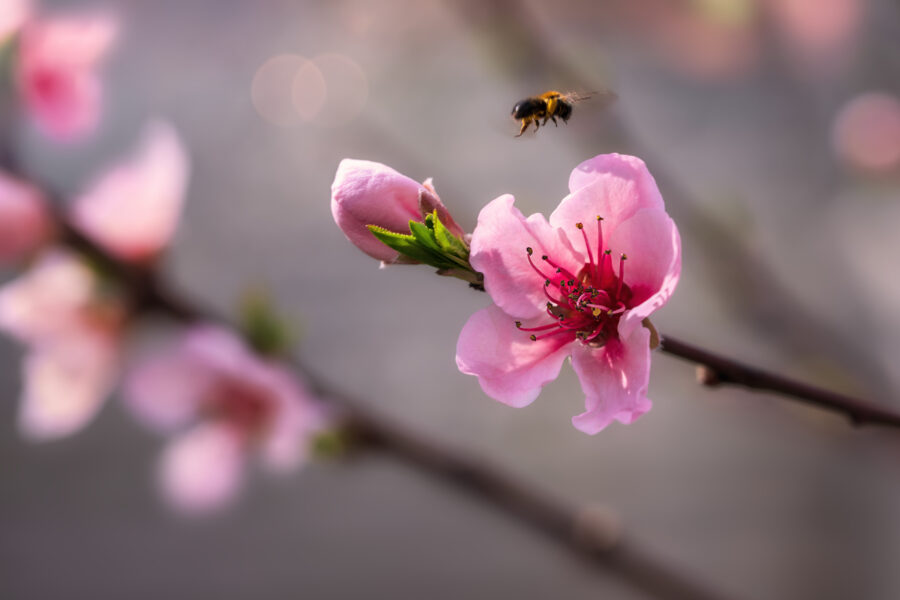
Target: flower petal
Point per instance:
(48, 299)
(203, 469)
(612, 186)
(164, 392)
(133, 209)
(57, 71)
(24, 218)
(370, 193)
(650, 240)
(510, 366)
(498, 250)
(614, 379)
(66, 383)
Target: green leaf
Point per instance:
(425, 236)
(404, 244)
(448, 242)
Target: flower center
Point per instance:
(240, 404)
(585, 305)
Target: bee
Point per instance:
(548, 106)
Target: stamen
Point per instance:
(533, 266)
(621, 275)
(587, 246)
(535, 338)
(599, 270)
(541, 328)
(558, 268)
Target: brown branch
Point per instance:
(720, 370)
(596, 539)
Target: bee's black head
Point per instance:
(526, 108)
(563, 110)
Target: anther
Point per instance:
(518, 324)
(579, 225)
(529, 251)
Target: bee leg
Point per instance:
(525, 123)
(537, 125)
(555, 124)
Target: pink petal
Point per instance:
(13, 14)
(48, 299)
(614, 379)
(133, 208)
(650, 240)
(58, 60)
(370, 193)
(65, 384)
(164, 392)
(203, 469)
(612, 186)
(298, 416)
(510, 366)
(24, 218)
(498, 250)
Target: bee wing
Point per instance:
(605, 97)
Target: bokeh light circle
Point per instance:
(347, 89)
(866, 132)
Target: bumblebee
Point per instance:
(548, 106)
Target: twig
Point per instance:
(720, 370)
(596, 539)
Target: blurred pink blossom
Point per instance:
(72, 341)
(370, 193)
(59, 59)
(221, 401)
(24, 218)
(13, 14)
(866, 132)
(819, 32)
(564, 288)
(132, 209)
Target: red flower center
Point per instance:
(241, 404)
(586, 305)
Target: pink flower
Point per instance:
(57, 71)
(72, 341)
(24, 219)
(370, 193)
(565, 289)
(223, 401)
(132, 209)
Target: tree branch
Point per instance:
(720, 370)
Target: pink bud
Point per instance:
(24, 219)
(57, 71)
(370, 193)
(132, 209)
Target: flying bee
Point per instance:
(548, 106)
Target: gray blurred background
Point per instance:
(790, 262)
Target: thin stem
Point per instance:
(719, 370)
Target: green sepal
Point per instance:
(448, 242)
(405, 244)
(425, 236)
(263, 327)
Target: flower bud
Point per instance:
(24, 219)
(369, 193)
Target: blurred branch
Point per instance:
(590, 534)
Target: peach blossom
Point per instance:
(72, 359)
(59, 59)
(220, 401)
(579, 286)
(132, 208)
